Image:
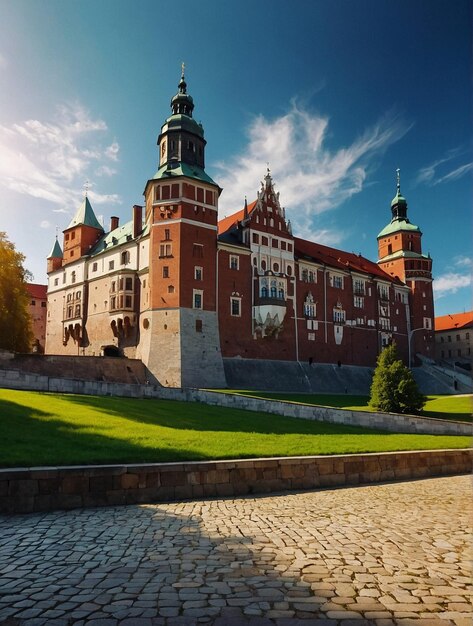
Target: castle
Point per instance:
(183, 291)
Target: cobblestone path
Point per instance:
(384, 554)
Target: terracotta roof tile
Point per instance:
(454, 321)
(340, 259)
(229, 222)
(37, 291)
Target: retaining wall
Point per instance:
(391, 422)
(52, 488)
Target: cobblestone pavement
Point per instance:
(384, 554)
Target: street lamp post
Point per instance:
(409, 339)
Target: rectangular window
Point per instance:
(428, 323)
(111, 265)
(264, 241)
(458, 337)
(359, 287)
(309, 309)
(198, 251)
(358, 302)
(336, 281)
(94, 267)
(275, 243)
(311, 336)
(255, 238)
(77, 313)
(283, 245)
(197, 299)
(56, 282)
(338, 316)
(449, 338)
(129, 284)
(234, 262)
(43, 305)
(198, 326)
(128, 302)
(235, 307)
(198, 273)
(33, 302)
(167, 234)
(383, 292)
(165, 271)
(165, 250)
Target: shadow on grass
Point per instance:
(202, 417)
(31, 437)
(441, 415)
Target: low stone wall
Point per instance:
(391, 422)
(51, 488)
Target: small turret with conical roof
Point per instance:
(82, 233)
(55, 257)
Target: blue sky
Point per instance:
(334, 94)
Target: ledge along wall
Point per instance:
(46, 489)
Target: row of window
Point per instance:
(275, 243)
(466, 352)
(458, 338)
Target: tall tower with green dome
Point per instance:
(180, 339)
(400, 255)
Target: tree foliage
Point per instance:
(15, 322)
(394, 389)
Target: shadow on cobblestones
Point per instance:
(360, 556)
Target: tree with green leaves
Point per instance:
(394, 389)
(15, 321)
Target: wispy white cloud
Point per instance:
(45, 224)
(434, 173)
(50, 160)
(308, 174)
(456, 173)
(458, 276)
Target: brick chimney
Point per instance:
(114, 223)
(137, 220)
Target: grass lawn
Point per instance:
(441, 407)
(49, 429)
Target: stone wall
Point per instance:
(52, 488)
(391, 422)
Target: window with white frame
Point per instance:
(234, 262)
(338, 316)
(198, 273)
(309, 306)
(311, 336)
(197, 299)
(427, 323)
(358, 302)
(235, 306)
(336, 281)
(384, 323)
(383, 292)
(358, 287)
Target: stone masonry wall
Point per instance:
(51, 488)
(391, 422)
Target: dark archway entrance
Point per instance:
(111, 351)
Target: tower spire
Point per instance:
(182, 103)
(398, 181)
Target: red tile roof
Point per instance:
(228, 222)
(339, 259)
(454, 321)
(37, 291)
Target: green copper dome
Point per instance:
(56, 252)
(398, 225)
(398, 199)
